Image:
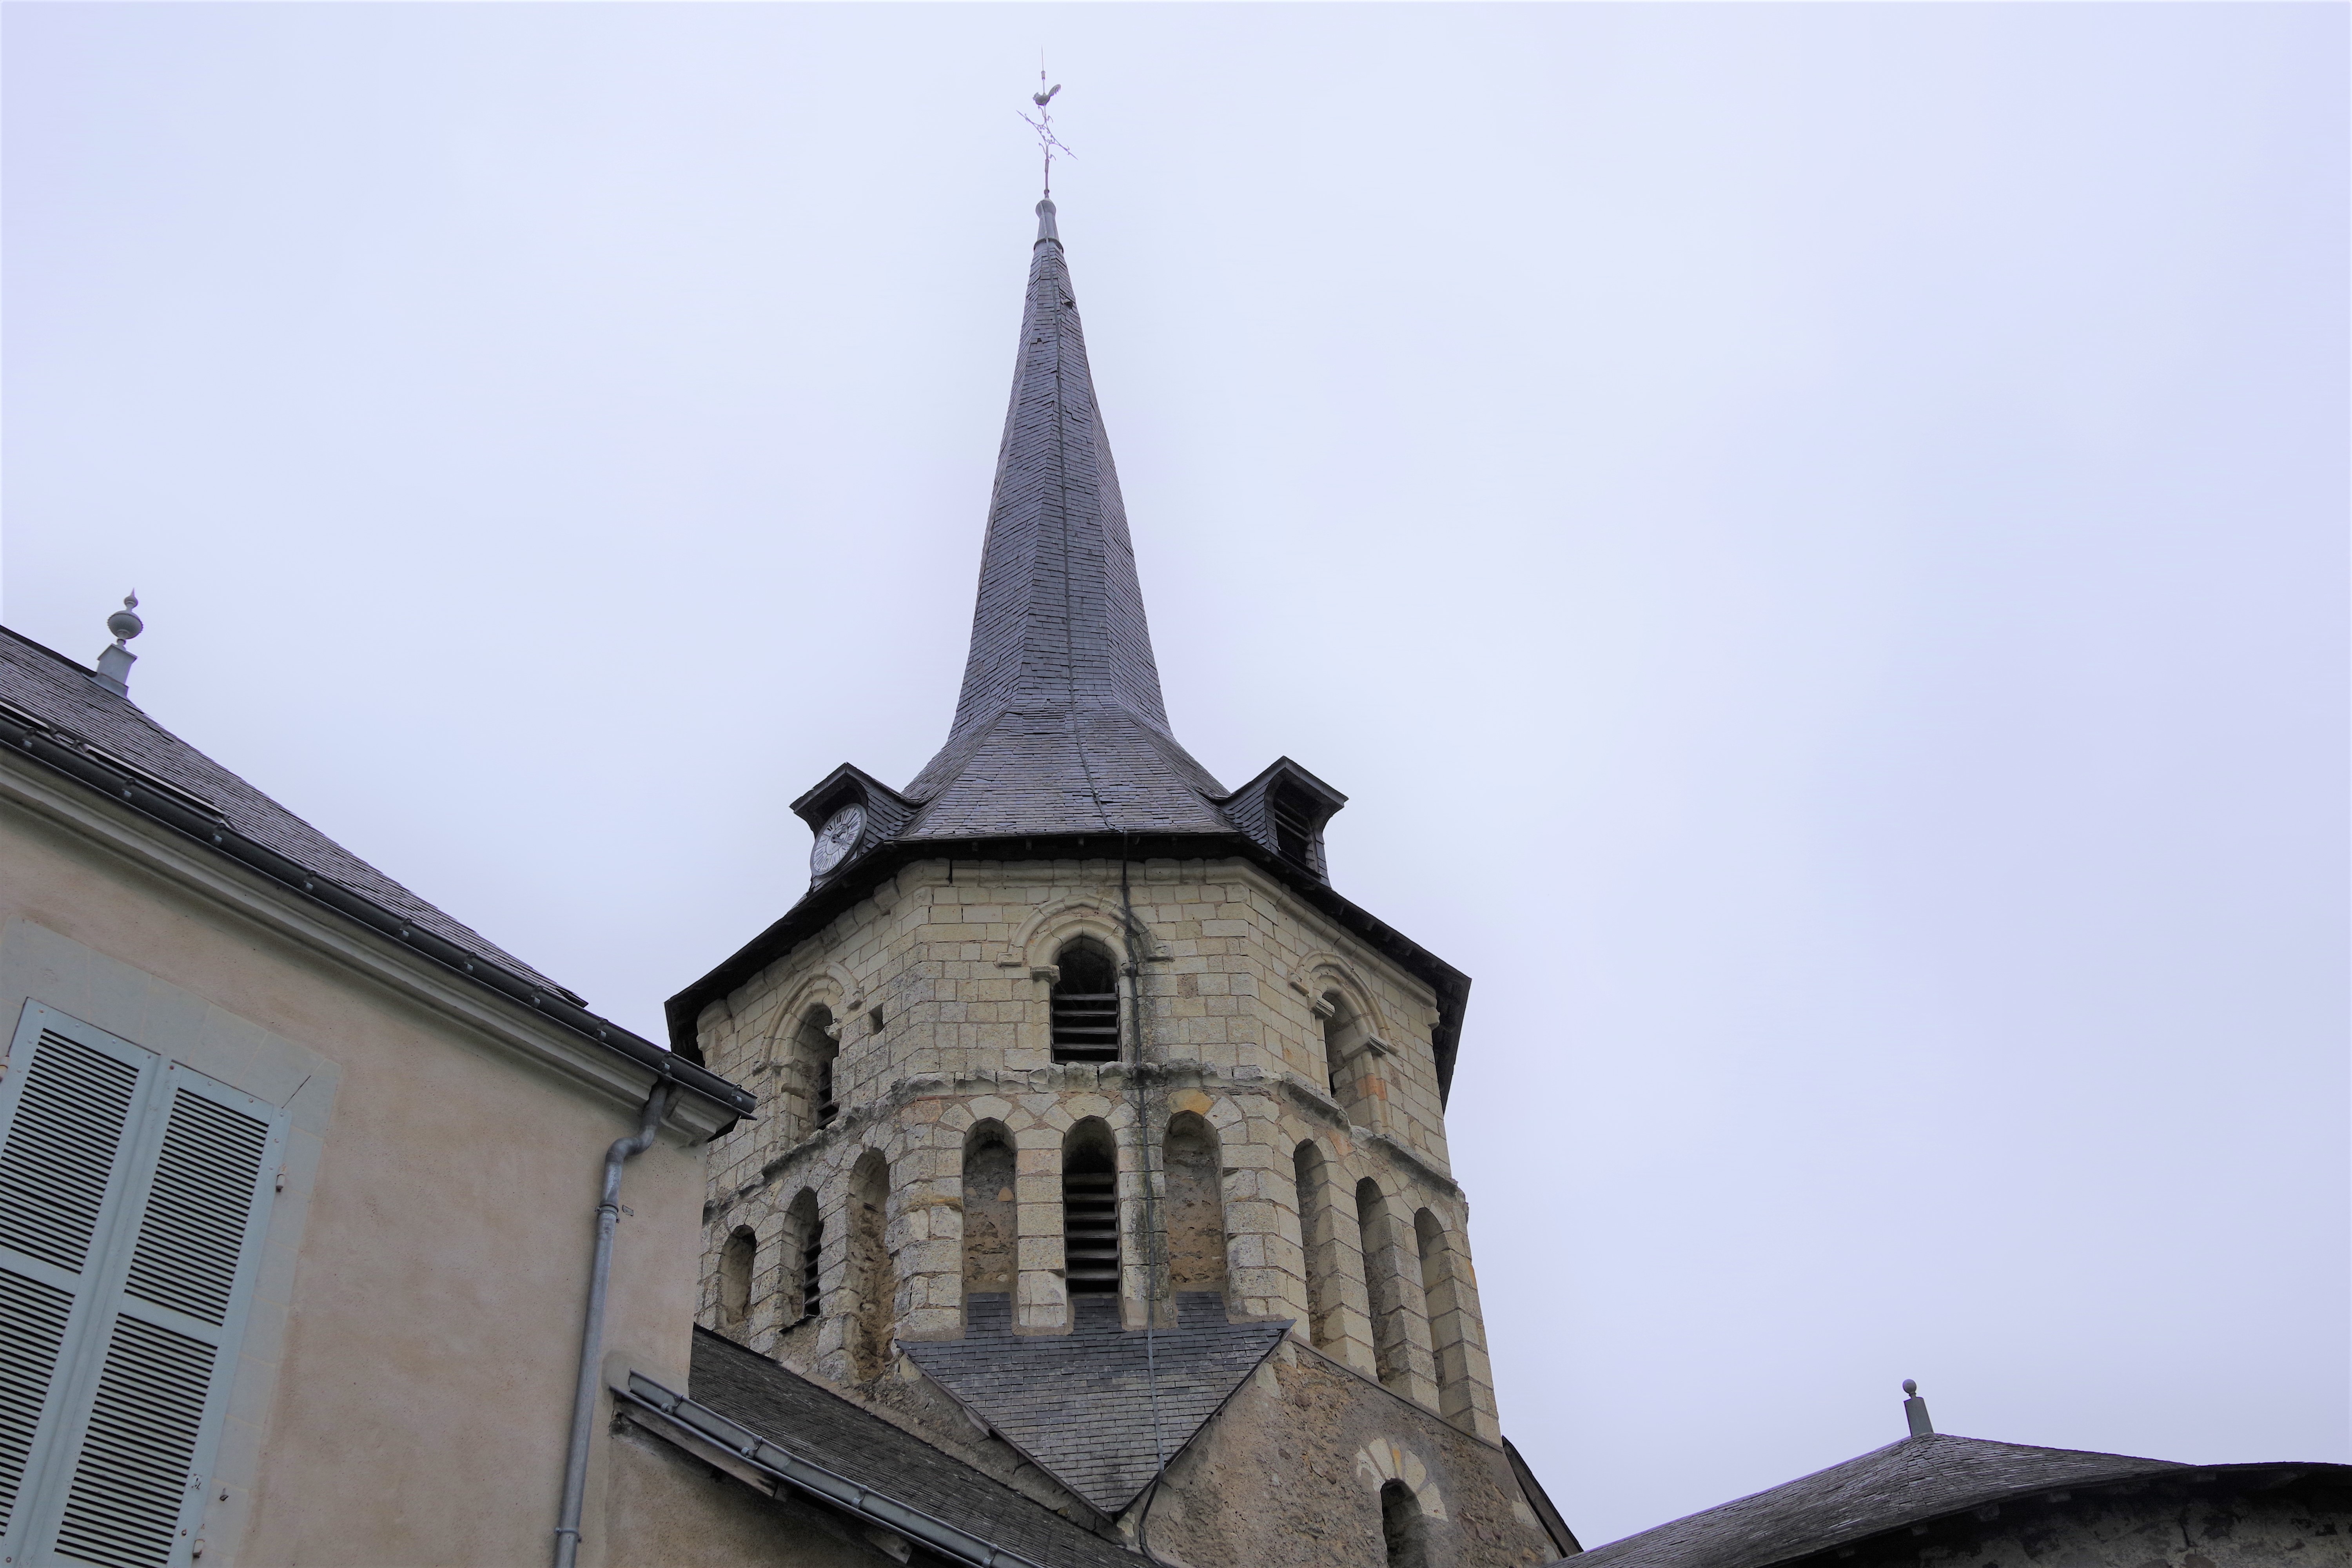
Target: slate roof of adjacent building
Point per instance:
(1905, 1483)
(1082, 1404)
(825, 1429)
(61, 694)
(56, 711)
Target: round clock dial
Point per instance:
(836, 839)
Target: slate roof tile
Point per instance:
(1060, 726)
(1081, 1403)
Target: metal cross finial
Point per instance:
(1047, 143)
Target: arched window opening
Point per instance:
(1320, 1241)
(1085, 1004)
(736, 1260)
(869, 1268)
(1403, 1532)
(1439, 1294)
(1390, 1346)
(1089, 1211)
(1348, 1058)
(1196, 1206)
(819, 1048)
(990, 1231)
(806, 1259)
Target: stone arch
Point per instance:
(1441, 1294)
(1325, 971)
(991, 1214)
(805, 1058)
(1043, 932)
(1385, 1459)
(1319, 1238)
(1196, 1205)
(872, 1282)
(1392, 1344)
(739, 1261)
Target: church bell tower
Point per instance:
(1102, 1139)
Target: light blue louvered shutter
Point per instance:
(69, 1112)
(136, 1404)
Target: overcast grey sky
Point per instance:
(1813, 537)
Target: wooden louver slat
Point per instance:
(123, 1509)
(60, 1151)
(1090, 1232)
(32, 1330)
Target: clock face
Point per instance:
(836, 839)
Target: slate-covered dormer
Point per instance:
(1284, 809)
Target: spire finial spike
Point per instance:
(1914, 1410)
(1047, 143)
(115, 660)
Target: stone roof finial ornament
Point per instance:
(114, 662)
(1914, 1411)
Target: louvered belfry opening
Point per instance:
(819, 1049)
(810, 1230)
(1086, 1005)
(1091, 1211)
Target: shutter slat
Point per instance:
(60, 1150)
(123, 1509)
(193, 1234)
(32, 1329)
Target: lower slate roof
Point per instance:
(1080, 1404)
(1904, 1483)
(825, 1429)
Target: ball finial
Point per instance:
(1910, 1385)
(125, 623)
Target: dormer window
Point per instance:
(1296, 822)
(1285, 808)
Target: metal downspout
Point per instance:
(592, 1334)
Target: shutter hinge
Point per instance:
(281, 1180)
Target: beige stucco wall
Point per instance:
(406, 1384)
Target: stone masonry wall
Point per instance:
(939, 983)
(1290, 1477)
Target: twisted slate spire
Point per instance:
(1060, 727)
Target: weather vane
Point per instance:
(1047, 143)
